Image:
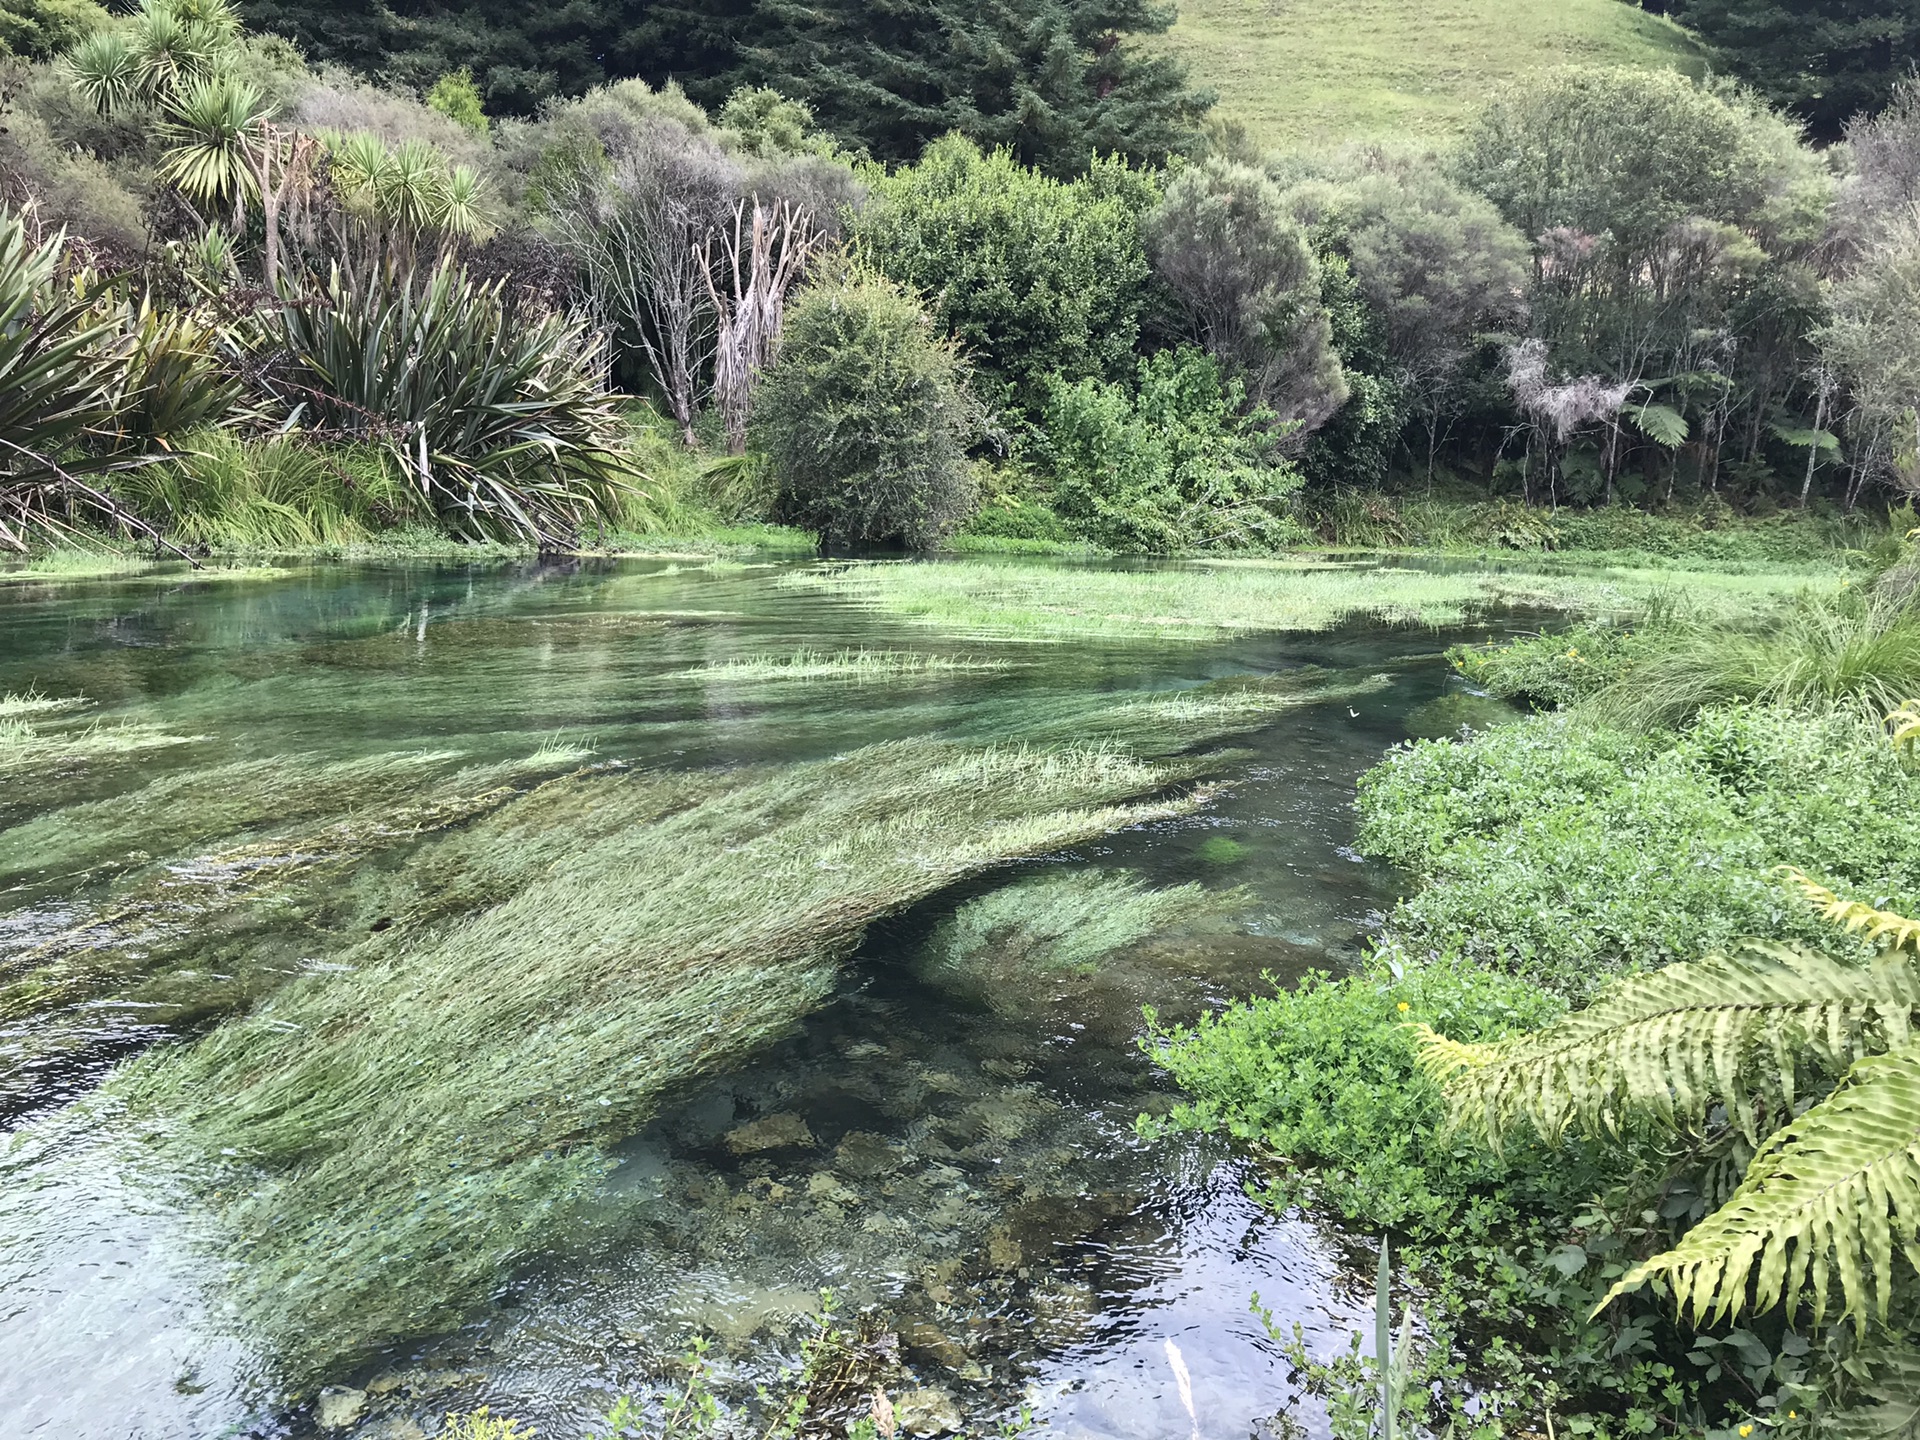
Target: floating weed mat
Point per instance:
(201, 938)
(384, 1143)
(220, 802)
(1003, 947)
(39, 734)
(1199, 601)
(858, 666)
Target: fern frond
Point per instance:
(1831, 1195)
(1880, 927)
(1894, 1411)
(1731, 1029)
(1905, 725)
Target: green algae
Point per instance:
(385, 1141)
(40, 735)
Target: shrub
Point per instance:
(1170, 467)
(865, 418)
(455, 96)
(1034, 277)
(1326, 1077)
(1569, 852)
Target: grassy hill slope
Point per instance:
(1304, 72)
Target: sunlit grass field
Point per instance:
(1300, 73)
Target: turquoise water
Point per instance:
(956, 1159)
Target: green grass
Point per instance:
(1205, 601)
(1302, 73)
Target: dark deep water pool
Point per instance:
(958, 1163)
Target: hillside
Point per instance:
(1301, 72)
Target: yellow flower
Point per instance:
(1745, 1430)
(1404, 1007)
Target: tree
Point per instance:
(455, 96)
(1872, 344)
(1827, 61)
(1248, 286)
(1056, 82)
(865, 418)
(1034, 277)
(1435, 265)
(1673, 227)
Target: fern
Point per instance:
(1832, 1195)
(1882, 927)
(1893, 1412)
(1730, 1029)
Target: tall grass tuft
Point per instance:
(283, 493)
(1819, 652)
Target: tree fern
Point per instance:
(1731, 1029)
(1892, 1412)
(1831, 1196)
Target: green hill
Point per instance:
(1302, 72)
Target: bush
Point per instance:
(865, 418)
(1170, 467)
(1568, 852)
(1325, 1077)
(1034, 277)
(1248, 286)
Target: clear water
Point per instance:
(970, 1179)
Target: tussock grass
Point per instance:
(1192, 602)
(860, 666)
(385, 1143)
(1820, 652)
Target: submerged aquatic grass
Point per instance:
(1200, 601)
(39, 733)
(855, 665)
(994, 947)
(385, 1142)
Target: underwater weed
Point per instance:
(1198, 601)
(997, 945)
(859, 666)
(384, 1143)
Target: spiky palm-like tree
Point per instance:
(211, 128)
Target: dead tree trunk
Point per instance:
(759, 263)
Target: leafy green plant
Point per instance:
(865, 418)
(1174, 465)
(1830, 1194)
(497, 424)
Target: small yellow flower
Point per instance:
(1745, 1430)
(1793, 1414)
(1404, 1007)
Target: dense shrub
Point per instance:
(1035, 278)
(865, 418)
(1568, 852)
(1171, 466)
(1324, 1075)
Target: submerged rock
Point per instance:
(865, 1155)
(339, 1407)
(774, 1132)
(925, 1413)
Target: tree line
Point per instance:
(1123, 329)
